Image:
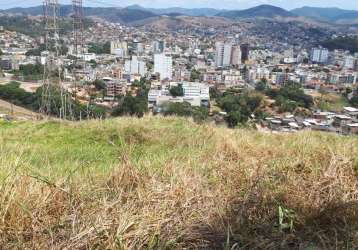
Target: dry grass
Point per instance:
(166, 183)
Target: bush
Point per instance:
(13, 93)
(235, 117)
(194, 75)
(176, 91)
(185, 109)
(261, 86)
(354, 101)
(30, 72)
(99, 84)
(130, 105)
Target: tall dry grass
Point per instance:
(175, 185)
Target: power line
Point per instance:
(104, 3)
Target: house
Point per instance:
(352, 112)
(350, 129)
(341, 120)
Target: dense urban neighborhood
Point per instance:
(275, 75)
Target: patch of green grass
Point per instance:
(331, 102)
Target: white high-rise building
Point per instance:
(319, 55)
(349, 62)
(135, 66)
(164, 66)
(223, 54)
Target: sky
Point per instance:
(218, 4)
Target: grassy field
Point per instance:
(331, 102)
(167, 183)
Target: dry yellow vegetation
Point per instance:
(167, 183)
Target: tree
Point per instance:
(199, 114)
(30, 72)
(294, 92)
(176, 91)
(286, 105)
(261, 86)
(194, 75)
(176, 108)
(100, 48)
(239, 107)
(13, 93)
(354, 101)
(234, 118)
(93, 63)
(99, 84)
(214, 93)
(130, 105)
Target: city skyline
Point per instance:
(224, 4)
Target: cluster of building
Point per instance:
(197, 94)
(345, 122)
(195, 60)
(13, 46)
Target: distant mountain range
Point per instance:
(267, 11)
(135, 13)
(178, 10)
(124, 15)
(334, 15)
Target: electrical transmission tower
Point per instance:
(78, 27)
(78, 43)
(52, 66)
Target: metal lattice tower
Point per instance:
(78, 43)
(50, 12)
(78, 27)
(52, 66)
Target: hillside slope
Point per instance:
(335, 15)
(264, 10)
(111, 14)
(11, 109)
(167, 183)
